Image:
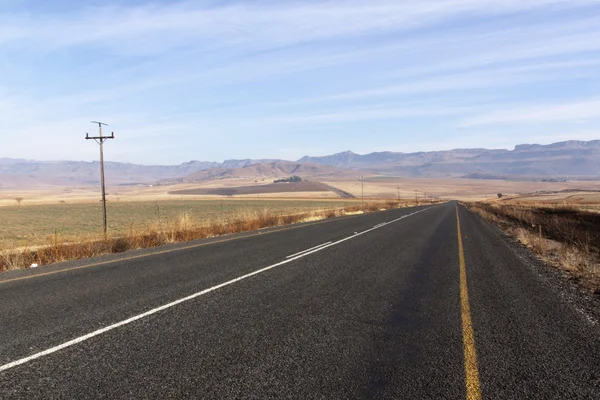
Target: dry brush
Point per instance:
(563, 235)
(181, 229)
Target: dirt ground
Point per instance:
(271, 188)
(461, 189)
(585, 201)
(78, 195)
(374, 187)
(576, 197)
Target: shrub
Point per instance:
(120, 245)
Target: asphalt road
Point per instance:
(408, 309)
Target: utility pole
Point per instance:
(100, 140)
(398, 192)
(416, 197)
(362, 189)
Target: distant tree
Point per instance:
(291, 179)
(500, 195)
(19, 200)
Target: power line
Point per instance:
(100, 140)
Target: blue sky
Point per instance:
(212, 80)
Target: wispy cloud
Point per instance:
(579, 111)
(198, 72)
(262, 24)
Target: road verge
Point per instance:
(182, 229)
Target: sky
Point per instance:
(214, 80)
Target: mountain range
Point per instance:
(570, 159)
(564, 159)
(269, 170)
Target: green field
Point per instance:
(37, 224)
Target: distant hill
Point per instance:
(28, 173)
(568, 159)
(558, 160)
(21, 173)
(272, 170)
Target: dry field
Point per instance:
(374, 187)
(461, 189)
(588, 201)
(75, 195)
(140, 225)
(271, 188)
(32, 225)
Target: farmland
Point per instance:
(38, 224)
(279, 188)
(258, 189)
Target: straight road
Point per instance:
(420, 303)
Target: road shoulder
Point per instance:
(584, 301)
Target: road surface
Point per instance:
(419, 303)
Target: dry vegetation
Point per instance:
(374, 187)
(562, 234)
(183, 227)
(143, 193)
(271, 188)
(32, 225)
(452, 188)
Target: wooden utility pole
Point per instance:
(362, 189)
(100, 140)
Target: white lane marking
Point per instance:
(359, 233)
(381, 224)
(304, 251)
(182, 300)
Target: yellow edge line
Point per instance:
(471, 368)
(164, 251)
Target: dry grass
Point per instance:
(453, 188)
(35, 225)
(184, 227)
(562, 234)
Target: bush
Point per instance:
(291, 179)
(120, 245)
(182, 228)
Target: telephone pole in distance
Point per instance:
(362, 189)
(100, 140)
